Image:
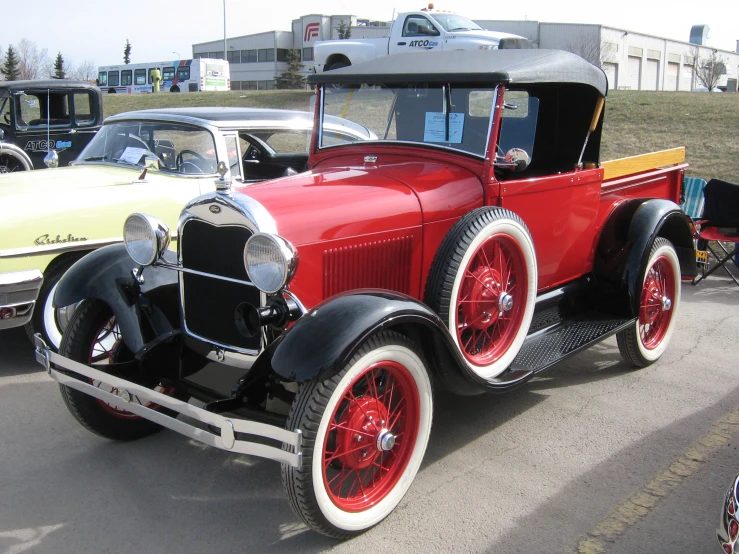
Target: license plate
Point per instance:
(701, 256)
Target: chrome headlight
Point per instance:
(146, 238)
(270, 261)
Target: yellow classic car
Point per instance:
(150, 161)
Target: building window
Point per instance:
(266, 54)
(139, 76)
(282, 54)
(248, 56)
(308, 54)
(234, 56)
(216, 55)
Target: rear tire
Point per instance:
(365, 432)
(92, 338)
(644, 343)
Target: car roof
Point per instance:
(9, 87)
(236, 117)
(512, 66)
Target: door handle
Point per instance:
(401, 44)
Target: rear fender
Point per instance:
(323, 340)
(627, 240)
(18, 153)
(144, 311)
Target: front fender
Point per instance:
(652, 219)
(322, 341)
(106, 275)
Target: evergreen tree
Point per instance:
(59, 72)
(291, 79)
(345, 31)
(127, 53)
(11, 67)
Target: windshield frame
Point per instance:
(447, 146)
(212, 131)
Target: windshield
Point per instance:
(456, 117)
(176, 148)
(453, 22)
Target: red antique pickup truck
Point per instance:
(477, 242)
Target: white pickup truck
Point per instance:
(424, 30)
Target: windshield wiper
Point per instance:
(95, 158)
(461, 29)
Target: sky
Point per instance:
(162, 30)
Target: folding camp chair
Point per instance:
(719, 223)
(692, 204)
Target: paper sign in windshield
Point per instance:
(132, 155)
(435, 129)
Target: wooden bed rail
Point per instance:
(643, 162)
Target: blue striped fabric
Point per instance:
(693, 191)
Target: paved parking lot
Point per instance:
(592, 457)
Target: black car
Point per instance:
(39, 116)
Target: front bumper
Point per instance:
(122, 392)
(18, 293)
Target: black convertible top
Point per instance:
(479, 66)
(9, 87)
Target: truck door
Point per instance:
(418, 34)
(558, 203)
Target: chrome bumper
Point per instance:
(126, 390)
(18, 294)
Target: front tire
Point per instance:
(93, 337)
(365, 432)
(644, 343)
(483, 286)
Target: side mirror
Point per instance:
(516, 159)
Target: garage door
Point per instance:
(634, 72)
(686, 78)
(671, 77)
(651, 75)
(611, 70)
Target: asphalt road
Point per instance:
(592, 457)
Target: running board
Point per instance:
(542, 350)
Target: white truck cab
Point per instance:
(425, 30)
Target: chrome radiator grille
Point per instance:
(208, 304)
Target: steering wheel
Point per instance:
(180, 162)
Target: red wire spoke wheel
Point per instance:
(491, 300)
(103, 350)
(658, 304)
(370, 436)
(365, 432)
(483, 286)
(93, 337)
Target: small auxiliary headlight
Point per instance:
(270, 261)
(146, 238)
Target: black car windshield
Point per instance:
(172, 147)
(454, 117)
(454, 22)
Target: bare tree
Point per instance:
(594, 49)
(33, 62)
(86, 71)
(708, 70)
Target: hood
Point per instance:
(45, 181)
(337, 203)
(493, 36)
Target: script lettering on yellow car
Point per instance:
(44, 239)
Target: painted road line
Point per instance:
(639, 505)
